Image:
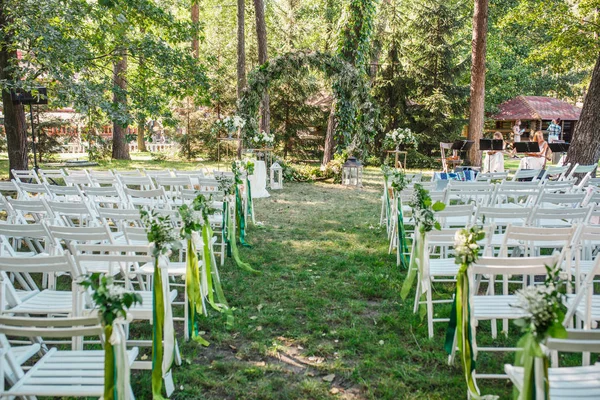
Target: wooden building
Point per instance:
(535, 113)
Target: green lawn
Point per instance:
(326, 307)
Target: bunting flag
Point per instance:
(163, 331)
(402, 246)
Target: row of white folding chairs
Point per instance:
(578, 245)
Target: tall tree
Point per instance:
(261, 36)
(120, 147)
(14, 115)
(353, 47)
(585, 146)
(477, 99)
(195, 22)
(241, 47)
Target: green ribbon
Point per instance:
(234, 249)
(212, 276)
(194, 295)
(225, 225)
(460, 325)
(249, 206)
(239, 215)
(530, 349)
(158, 303)
(413, 266)
(402, 246)
(387, 202)
(110, 375)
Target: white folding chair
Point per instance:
(559, 217)
(52, 176)
(585, 170)
(148, 199)
(27, 176)
(556, 172)
(456, 216)
(29, 211)
(31, 190)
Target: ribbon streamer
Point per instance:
(402, 247)
(530, 352)
(250, 205)
(239, 215)
(460, 325)
(163, 331)
(416, 264)
(194, 290)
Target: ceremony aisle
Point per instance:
(324, 320)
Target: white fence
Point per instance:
(82, 147)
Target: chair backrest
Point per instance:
(492, 176)
(560, 199)
(469, 192)
(516, 193)
(534, 174)
(73, 214)
(35, 236)
(136, 235)
(173, 186)
(559, 217)
(70, 235)
(149, 199)
(162, 173)
(47, 264)
(52, 176)
(558, 172)
(77, 177)
(26, 175)
(106, 197)
(50, 327)
(130, 172)
(564, 186)
(456, 215)
(137, 182)
(535, 238)
(118, 257)
(9, 189)
(32, 190)
(66, 193)
(30, 211)
(502, 217)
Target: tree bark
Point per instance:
(15, 126)
(120, 149)
(261, 35)
(329, 148)
(195, 20)
(585, 145)
(241, 47)
(477, 99)
(141, 142)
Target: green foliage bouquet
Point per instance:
(395, 138)
(263, 138)
(544, 316)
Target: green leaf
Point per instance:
(438, 206)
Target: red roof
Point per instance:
(536, 108)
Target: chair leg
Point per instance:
(429, 312)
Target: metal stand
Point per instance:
(226, 140)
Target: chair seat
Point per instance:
(24, 353)
(66, 374)
(496, 307)
(565, 383)
(443, 267)
(44, 303)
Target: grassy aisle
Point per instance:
(325, 319)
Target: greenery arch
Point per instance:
(354, 111)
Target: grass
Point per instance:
(324, 320)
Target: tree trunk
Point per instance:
(120, 149)
(329, 138)
(241, 48)
(477, 100)
(261, 35)
(195, 20)
(141, 142)
(14, 114)
(585, 146)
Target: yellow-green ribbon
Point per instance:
(162, 354)
(110, 375)
(194, 295)
(529, 351)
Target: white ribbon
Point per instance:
(424, 263)
(118, 340)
